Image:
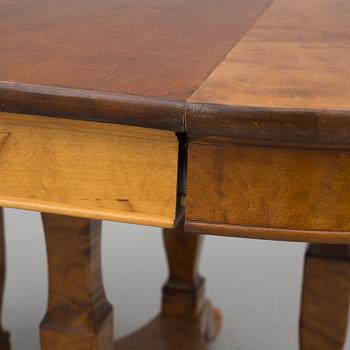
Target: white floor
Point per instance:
(256, 284)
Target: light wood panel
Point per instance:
(89, 169)
(269, 191)
(295, 56)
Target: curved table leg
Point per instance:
(187, 319)
(325, 298)
(4, 336)
(79, 316)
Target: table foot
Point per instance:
(212, 322)
(167, 333)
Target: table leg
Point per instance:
(325, 298)
(183, 293)
(187, 319)
(78, 317)
(4, 336)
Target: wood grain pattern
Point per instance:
(89, 169)
(184, 292)
(270, 233)
(325, 299)
(4, 335)
(268, 124)
(269, 191)
(287, 76)
(92, 105)
(121, 47)
(295, 56)
(78, 316)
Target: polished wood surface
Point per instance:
(269, 130)
(287, 77)
(88, 169)
(257, 69)
(268, 191)
(90, 105)
(294, 56)
(147, 48)
(325, 299)
(118, 46)
(4, 335)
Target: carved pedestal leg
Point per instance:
(4, 336)
(79, 316)
(183, 294)
(187, 319)
(325, 299)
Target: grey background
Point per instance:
(256, 284)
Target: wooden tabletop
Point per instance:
(258, 68)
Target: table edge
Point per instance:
(259, 123)
(269, 124)
(89, 105)
(267, 233)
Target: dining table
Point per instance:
(201, 117)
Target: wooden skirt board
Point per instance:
(268, 191)
(89, 169)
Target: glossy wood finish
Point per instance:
(4, 335)
(88, 169)
(266, 191)
(288, 59)
(287, 78)
(325, 300)
(90, 105)
(269, 130)
(78, 317)
(120, 47)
